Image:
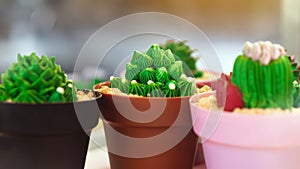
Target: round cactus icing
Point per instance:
(34, 79)
(155, 73)
(264, 75)
(184, 53)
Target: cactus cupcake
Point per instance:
(184, 53)
(34, 79)
(41, 114)
(266, 77)
(260, 122)
(155, 73)
(155, 85)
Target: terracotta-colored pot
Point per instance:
(247, 141)
(46, 136)
(148, 132)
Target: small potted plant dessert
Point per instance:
(260, 124)
(184, 53)
(39, 116)
(149, 112)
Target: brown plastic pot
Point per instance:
(47, 136)
(136, 139)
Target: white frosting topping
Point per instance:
(172, 86)
(133, 81)
(150, 82)
(60, 90)
(265, 52)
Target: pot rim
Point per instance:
(246, 130)
(106, 83)
(97, 96)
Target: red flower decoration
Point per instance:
(228, 95)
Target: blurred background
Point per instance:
(61, 27)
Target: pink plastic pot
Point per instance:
(242, 141)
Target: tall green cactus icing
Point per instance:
(34, 79)
(296, 84)
(155, 73)
(183, 53)
(264, 75)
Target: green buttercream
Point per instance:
(136, 88)
(3, 95)
(176, 70)
(187, 86)
(120, 83)
(153, 89)
(184, 53)
(144, 61)
(153, 74)
(154, 52)
(146, 75)
(132, 71)
(33, 79)
(170, 56)
(171, 89)
(264, 86)
(162, 75)
(57, 96)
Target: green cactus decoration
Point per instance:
(162, 75)
(3, 95)
(136, 88)
(183, 53)
(36, 79)
(266, 81)
(187, 85)
(147, 74)
(132, 71)
(122, 84)
(159, 79)
(153, 89)
(296, 85)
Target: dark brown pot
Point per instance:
(45, 136)
(177, 141)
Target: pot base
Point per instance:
(46, 152)
(180, 156)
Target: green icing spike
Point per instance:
(70, 91)
(34, 79)
(171, 89)
(3, 94)
(144, 61)
(187, 86)
(58, 96)
(29, 96)
(136, 57)
(120, 83)
(162, 60)
(154, 51)
(162, 75)
(184, 53)
(176, 70)
(153, 89)
(170, 56)
(146, 75)
(132, 71)
(136, 88)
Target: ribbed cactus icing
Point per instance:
(295, 68)
(183, 53)
(155, 73)
(264, 75)
(34, 79)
